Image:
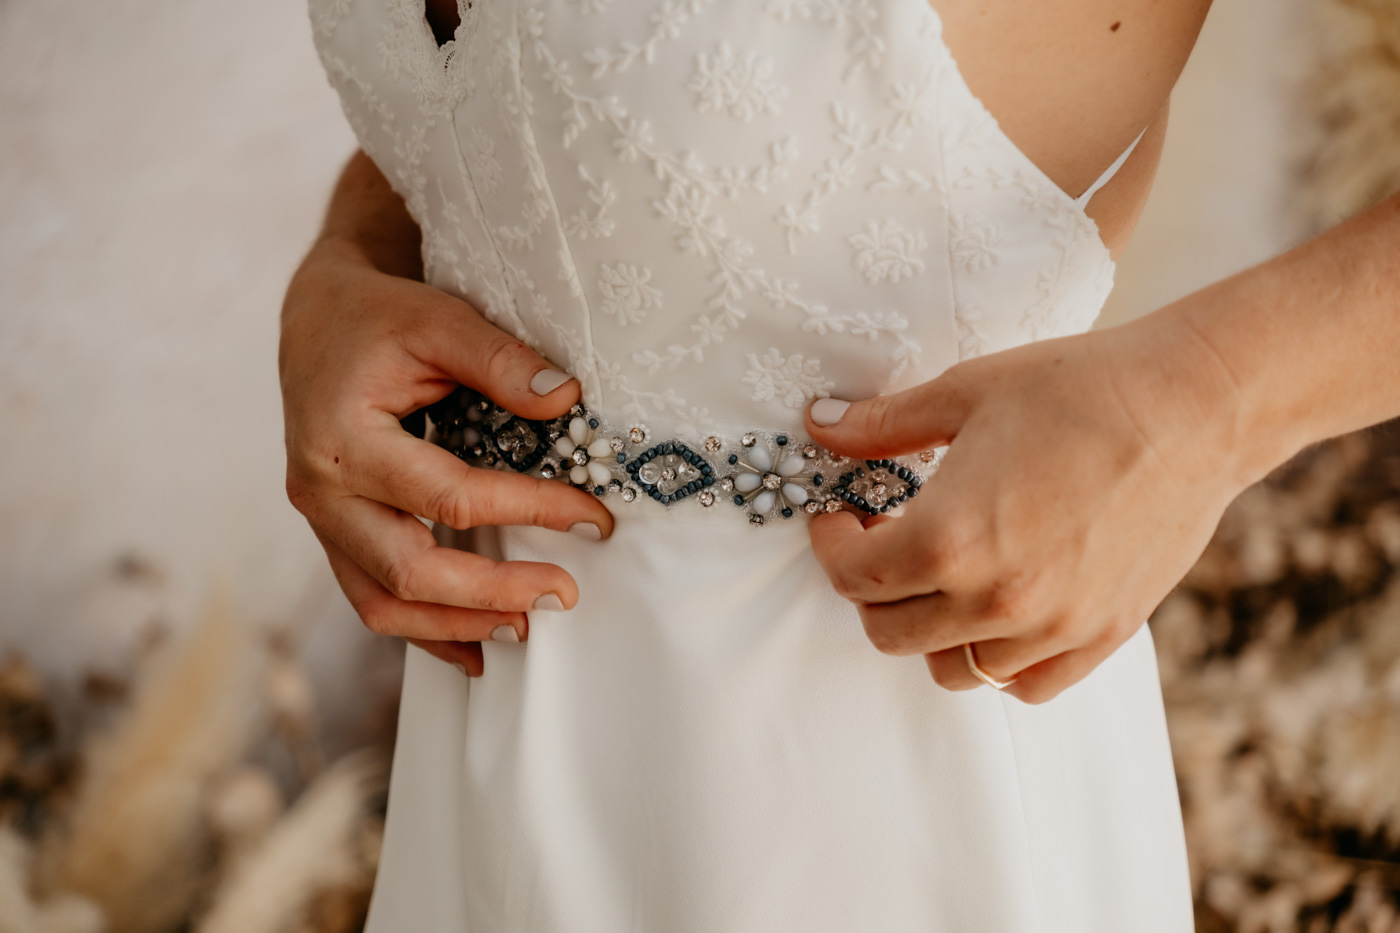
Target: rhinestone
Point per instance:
(726, 484)
(707, 498)
(755, 519)
(615, 485)
(749, 439)
(478, 450)
(547, 471)
(576, 411)
(617, 444)
(712, 444)
(668, 473)
(927, 456)
(483, 405)
(772, 480)
(628, 493)
(833, 505)
(812, 507)
(650, 472)
(637, 435)
(579, 456)
(879, 489)
(809, 451)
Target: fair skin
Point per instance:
(1085, 474)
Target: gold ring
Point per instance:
(982, 675)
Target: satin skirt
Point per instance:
(708, 743)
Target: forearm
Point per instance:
(366, 215)
(1308, 343)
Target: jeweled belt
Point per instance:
(769, 475)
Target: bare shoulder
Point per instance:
(1072, 81)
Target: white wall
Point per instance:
(162, 166)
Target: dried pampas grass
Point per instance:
(314, 849)
(19, 913)
(135, 841)
(1354, 157)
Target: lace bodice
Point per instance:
(712, 212)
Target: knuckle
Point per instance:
(883, 636)
(502, 355)
(377, 616)
(401, 578)
(300, 494)
(1037, 693)
(451, 506)
(1010, 601)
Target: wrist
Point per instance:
(1244, 427)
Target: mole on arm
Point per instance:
(1114, 27)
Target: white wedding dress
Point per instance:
(711, 212)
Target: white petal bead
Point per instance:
(763, 502)
(758, 458)
(747, 482)
(794, 494)
(578, 475)
(791, 465)
(564, 447)
(598, 473)
(578, 430)
(471, 436)
(601, 448)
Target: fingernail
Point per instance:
(549, 603)
(547, 380)
(507, 632)
(587, 531)
(828, 411)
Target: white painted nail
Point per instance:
(547, 380)
(587, 531)
(506, 632)
(828, 411)
(549, 603)
(461, 667)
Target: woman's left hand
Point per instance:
(1085, 475)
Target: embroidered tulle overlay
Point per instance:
(686, 214)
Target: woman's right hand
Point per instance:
(361, 349)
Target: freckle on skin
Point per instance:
(1114, 27)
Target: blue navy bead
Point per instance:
(621, 458)
(913, 491)
(782, 440)
(733, 459)
(597, 490)
(633, 466)
(593, 423)
(709, 480)
(818, 480)
(787, 513)
(706, 469)
(738, 500)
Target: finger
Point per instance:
(465, 656)
(398, 552)
(425, 480)
(452, 336)
(1002, 659)
(927, 624)
(927, 416)
(1051, 677)
(879, 562)
(384, 614)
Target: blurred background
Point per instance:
(194, 727)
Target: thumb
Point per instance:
(927, 416)
(474, 352)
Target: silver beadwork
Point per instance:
(769, 475)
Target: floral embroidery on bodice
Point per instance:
(713, 212)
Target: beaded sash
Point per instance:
(767, 475)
